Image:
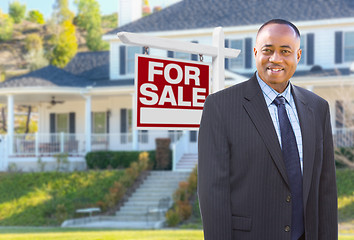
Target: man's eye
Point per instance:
(266, 50)
(286, 51)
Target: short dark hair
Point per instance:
(280, 21)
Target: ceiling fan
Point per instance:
(54, 102)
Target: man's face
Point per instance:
(277, 54)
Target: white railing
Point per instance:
(43, 144)
(179, 148)
(343, 137)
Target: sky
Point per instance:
(106, 6)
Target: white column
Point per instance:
(10, 122)
(218, 80)
(134, 130)
(88, 123)
(310, 88)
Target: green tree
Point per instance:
(61, 11)
(6, 27)
(110, 21)
(33, 42)
(36, 17)
(17, 11)
(89, 18)
(65, 46)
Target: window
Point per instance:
(131, 51)
(349, 47)
(303, 47)
(62, 122)
(237, 63)
(99, 122)
(182, 55)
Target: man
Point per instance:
(266, 166)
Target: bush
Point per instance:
(172, 218)
(33, 42)
(113, 159)
(17, 11)
(6, 27)
(35, 16)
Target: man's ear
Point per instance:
(299, 52)
(255, 51)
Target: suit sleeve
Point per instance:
(328, 210)
(213, 174)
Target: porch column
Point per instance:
(10, 122)
(134, 130)
(88, 123)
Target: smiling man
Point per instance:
(266, 165)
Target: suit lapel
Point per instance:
(257, 110)
(307, 125)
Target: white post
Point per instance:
(88, 123)
(218, 81)
(36, 143)
(61, 142)
(135, 136)
(10, 122)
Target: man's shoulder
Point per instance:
(309, 97)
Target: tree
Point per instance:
(6, 27)
(89, 18)
(61, 11)
(33, 42)
(65, 46)
(36, 17)
(17, 11)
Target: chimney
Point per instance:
(129, 11)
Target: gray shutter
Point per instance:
(194, 57)
(226, 59)
(52, 123)
(310, 48)
(122, 59)
(338, 47)
(170, 54)
(248, 52)
(72, 122)
(107, 121)
(123, 120)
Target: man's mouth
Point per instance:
(275, 69)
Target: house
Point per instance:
(88, 105)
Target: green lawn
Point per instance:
(95, 234)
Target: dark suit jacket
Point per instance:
(242, 182)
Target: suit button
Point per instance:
(287, 228)
(288, 198)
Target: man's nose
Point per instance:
(276, 57)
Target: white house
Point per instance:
(88, 105)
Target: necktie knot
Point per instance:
(280, 100)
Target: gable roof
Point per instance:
(90, 65)
(195, 14)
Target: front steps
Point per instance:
(187, 162)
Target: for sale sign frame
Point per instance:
(169, 93)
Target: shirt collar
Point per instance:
(270, 94)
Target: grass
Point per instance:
(345, 185)
(48, 198)
(104, 234)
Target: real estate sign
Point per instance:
(169, 93)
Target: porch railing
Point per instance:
(343, 137)
(42, 144)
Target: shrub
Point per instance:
(6, 27)
(122, 159)
(33, 42)
(17, 11)
(184, 210)
(172, 218)
(35, 16)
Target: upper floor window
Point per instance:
(131, 51)
(303, 48)
(182, 55)
(349, 47)
(245, 58)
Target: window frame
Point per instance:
(344, 48)
(231, 60)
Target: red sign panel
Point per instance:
(170, 93)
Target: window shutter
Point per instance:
(122, 60)
(193, 136)
(123, 120)
(170, 54)
(52, 123)
(72, 122)
(107, 120)
(226, 59)
(310, 48)
(194, 57)
(248, 53)
(338, 47)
